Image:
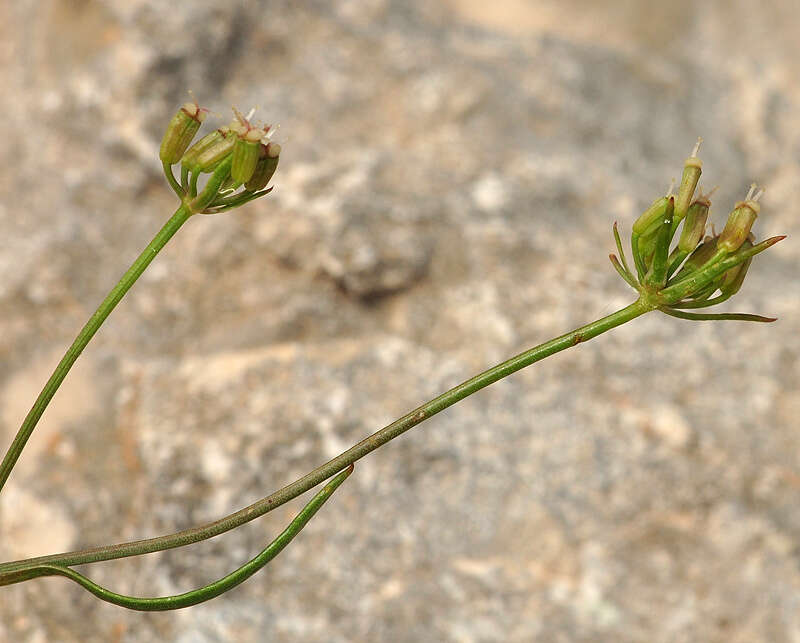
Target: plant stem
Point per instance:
(16, 571)
(87, 332)
(214, 589)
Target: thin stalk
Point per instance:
(676, 259)
(15, 571)
(212, 590)
(638, 261)
(628, 277)
(87, 332)
(657, 274)
(172, 181)
(234, 201)
(622, 258)
(703, 303)
(717, 316)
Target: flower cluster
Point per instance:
(237, 155)
(698, 271)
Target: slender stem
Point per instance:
(86, 334)
(212, 590)
(340, 462)
(172, 181)
(676, 259)
(703, 303)
(641, 270)
(621, 251)
(628, 277)
(212, 187)
(717, 316)
(656, 276)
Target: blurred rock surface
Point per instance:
(445, 198)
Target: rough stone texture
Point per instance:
(445, 199)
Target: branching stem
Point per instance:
(19, 570)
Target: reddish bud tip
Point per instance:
(773, 240)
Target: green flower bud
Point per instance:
(245, 155)
(740, 220)
(180, 132)
(190, 158)
(694, 226)
(247, 149)
(733, 278)
(265, 168)
(651, 219)
(692, 169)
(207, 158)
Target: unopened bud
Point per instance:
(694, 226)
(247, 149)
(265, 168)
(191, 159)
(651, 218)
(740, 220)
(180, 132)
(211, 155)
(245, 155)
(733, 278)
(692, 168)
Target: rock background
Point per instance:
(450, 175)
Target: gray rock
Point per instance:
(445, 197)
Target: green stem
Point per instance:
(656, 276)
(12, 572)
(86, 334)
(676, 259)
(628, 277)
(228, 203)
(212, 590)
(717, 316)
(621, 251)
(172, 181)
(638, 261)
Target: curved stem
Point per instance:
(641, 269)
(716, 316)
(702, 303)
(212, 590)
(621, 251)
(628, 277)
(86, 334)
(9, 571)
(176, 187)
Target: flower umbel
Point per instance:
(237, 155)
(688, 275)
